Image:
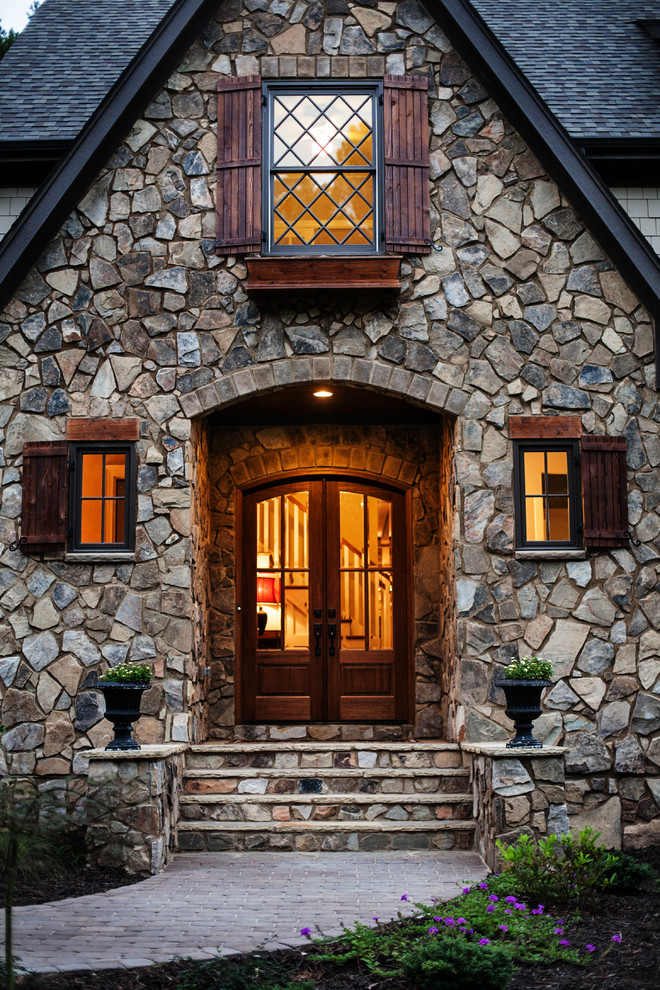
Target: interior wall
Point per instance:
(241, 454)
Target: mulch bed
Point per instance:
(632, 965)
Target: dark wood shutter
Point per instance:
(239, 165)
(43, 526)
(407, 201)
(605, 491)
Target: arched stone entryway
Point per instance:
(236, 446)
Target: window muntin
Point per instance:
(548, 504)
(102, 497)
(322, 184)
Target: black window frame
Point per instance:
(333, 87)
(76, 451)
(572, 449)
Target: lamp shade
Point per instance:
(268, 590)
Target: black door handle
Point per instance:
(332, 633)
(318, 632)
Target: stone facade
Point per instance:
(517, 310)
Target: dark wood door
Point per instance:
(324, 630)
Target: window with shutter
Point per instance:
(80, 493)
(345, 175)
(570, 490)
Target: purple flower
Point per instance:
(483, 886)
(375, 918)
(563, 941)
(520, 906)
(490, 909)
(511, 900)
(616, 938)
(306, 932)
(559, 931)
(503, 928)
(493, 897)
(461, 921)
(484, 941)
(466, 890)
(590, 948)
(507, 911)
(433, 931)
(404, 897)
(449, 922)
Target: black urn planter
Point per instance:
(523, 705)
(122, 708)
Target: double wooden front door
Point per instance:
(324, 603)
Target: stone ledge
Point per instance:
(82, 557)
(500, 749)
(342, 745)
(145, 753)
(550, 554)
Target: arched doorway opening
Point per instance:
(368, 445)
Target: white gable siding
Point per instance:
(642, 204)
(13, 200)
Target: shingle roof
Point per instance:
(62, 65)
(596, 68)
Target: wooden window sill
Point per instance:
(277, 273)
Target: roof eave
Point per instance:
(126, 100)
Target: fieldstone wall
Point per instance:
(518, 792)
(133, 807)
(517, 310)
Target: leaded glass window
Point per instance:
(323, 175)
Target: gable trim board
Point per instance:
(473, 39)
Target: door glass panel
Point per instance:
(268, 533)
(379, 525)
(351, 529)
(352, 610)
(296, 538)
(381, 624)
(296, 610)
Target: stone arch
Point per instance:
(340, 369)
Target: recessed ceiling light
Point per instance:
(323, 393)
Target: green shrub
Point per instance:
(561, 870)
(456, 964)
(528, 669)
(127, 673)
(629, 874)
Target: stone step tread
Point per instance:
(441, 825)
(321, 747)
(346, 799)
(402, 773)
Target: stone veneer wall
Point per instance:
(130, 313)
(408, 454)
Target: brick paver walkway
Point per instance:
(206, 903)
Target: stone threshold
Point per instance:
(432, 797)
(386, 772)
(501, 749)
(323, 747)
(442, 824)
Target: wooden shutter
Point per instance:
(407, 204)
(239, 165)
(43, 526)
(605, 491)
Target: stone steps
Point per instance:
(311, 796)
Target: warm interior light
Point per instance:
(323, 394)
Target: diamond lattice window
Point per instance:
(323, 176)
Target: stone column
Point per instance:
(133, 806)
(516, 792)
